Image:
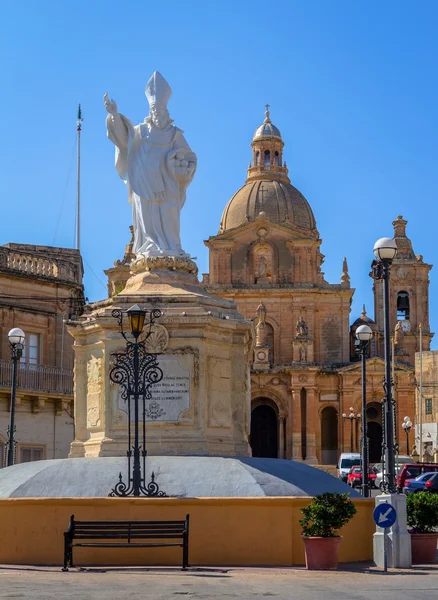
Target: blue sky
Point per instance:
(352, 87)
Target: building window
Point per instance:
(267, 157)
(257, 158)
(402, 306)
(31, 453)
(277, 158)
(428, 403)
(31, 349)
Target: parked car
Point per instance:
(402, 460)
(345, 462)
(354, 477)
(427, 482)
(413, 471)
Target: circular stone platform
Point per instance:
(178, 476)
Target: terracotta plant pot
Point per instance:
(322, 552)
(423, 548)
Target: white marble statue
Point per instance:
(157, 165)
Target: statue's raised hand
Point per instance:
(110, 105)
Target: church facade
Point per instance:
(305, 376)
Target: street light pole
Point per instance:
(16, 339)
(136, 370)
(352, 417)
(385, 251)
(407, 426)
(364, 334)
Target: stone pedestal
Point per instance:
(202, 405)
(261, 358)
(398, 539)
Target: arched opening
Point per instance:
(257, 158)
(374, 429)
(375, 442)
(277, 158)
(403, 306)
(264, 431)
(267, 157)
(329, 436)
(270, 341)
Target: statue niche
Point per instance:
(263, 264)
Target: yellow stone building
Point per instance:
(41, 288)
(305, 374)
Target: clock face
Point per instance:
(261, 355)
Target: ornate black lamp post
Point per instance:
(407, 426)
(16, 339)
(352, 417)
(136, 370)
(385, 251)
(364, 334)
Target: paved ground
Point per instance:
(358, 582)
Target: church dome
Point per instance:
(281, 202)
(266, 129)
(268, 188)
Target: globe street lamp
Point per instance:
(136, 370)
(407, 426)
(351, 417)
(16, 339)
(385, 250)
(364, 334)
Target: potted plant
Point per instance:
(322, 519)
(422, 518)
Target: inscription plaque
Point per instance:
(170, 397)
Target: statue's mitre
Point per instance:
(158, 90)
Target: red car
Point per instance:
(354, 477)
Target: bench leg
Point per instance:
(185, 562)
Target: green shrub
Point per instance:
(326, 514)
(422, 512)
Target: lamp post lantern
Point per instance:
(136, 370)
(364, 334)
(351, 417)
(407, 426)
(385, 251)
(16, 339)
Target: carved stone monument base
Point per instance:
(202, 404)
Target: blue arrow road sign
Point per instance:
(384, 515)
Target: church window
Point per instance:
(277, 158)
(267, 157)
(402, 306)
(257, 158)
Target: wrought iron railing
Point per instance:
(38, 378)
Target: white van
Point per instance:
(345, 462)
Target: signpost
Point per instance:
(384, 516)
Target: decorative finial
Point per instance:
(364, 312)
(345, 277)
(267, 114)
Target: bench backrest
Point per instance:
(127, 529)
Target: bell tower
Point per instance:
(409, 297)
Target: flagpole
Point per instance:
(78, 193)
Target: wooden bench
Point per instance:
(101, 534)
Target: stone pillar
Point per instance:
(281, 453)
(295, 426)
(311, 427)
